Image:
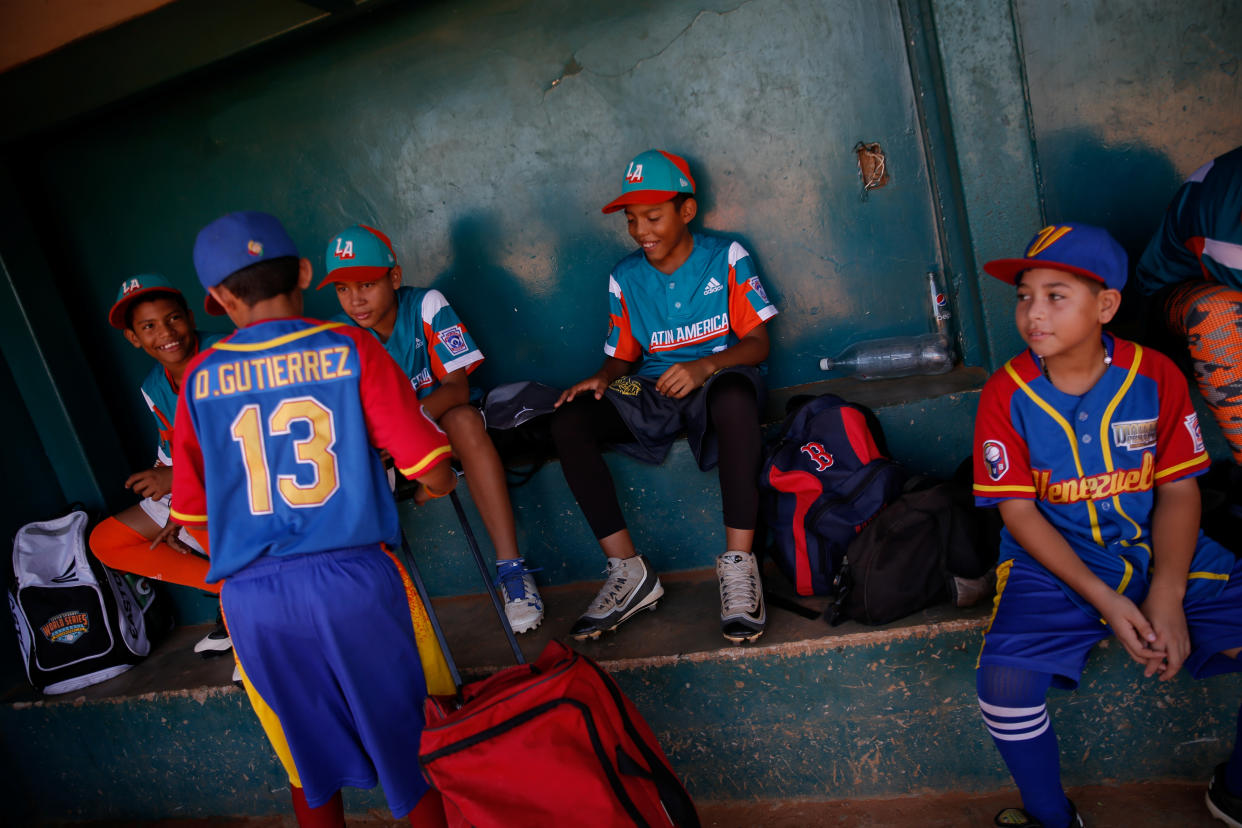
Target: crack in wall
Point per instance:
(573, 67)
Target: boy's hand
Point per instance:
(171, 535)
(1172, 645)
(1131, 627)
(684, 377)
(595, 384)
(153, 483)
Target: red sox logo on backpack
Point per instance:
(816, 452)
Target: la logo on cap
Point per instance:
(254, 248)
(130, 287)
(346, 252)
(634, 173)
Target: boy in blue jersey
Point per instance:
(686, 336)
(424, 335)
(277, 442)
(1089, 446)
(154, 317)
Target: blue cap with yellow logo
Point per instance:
(234, 242)
(1075, 248)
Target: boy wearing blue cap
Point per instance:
(154, 317)
(277, 443)
(421, 331)
(686, 336)
(1089, 446)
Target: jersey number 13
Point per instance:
(314, 450)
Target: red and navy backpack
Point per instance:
(824, 479)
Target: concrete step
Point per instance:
(1137, 805)
(807, 713)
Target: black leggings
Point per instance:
(582, 426)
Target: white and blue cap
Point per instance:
(234, 242)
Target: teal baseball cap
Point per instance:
(145, 286)
(653, 177)
(358, 254)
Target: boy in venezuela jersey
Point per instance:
(686, 338)
(1089, 446)
(276, 444)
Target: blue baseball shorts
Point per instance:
(1035, 625)
(656, 420)
(326, 641)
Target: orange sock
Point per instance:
(120, 547)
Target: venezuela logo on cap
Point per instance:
(254, 248)
(66, 627)
(1046, 238)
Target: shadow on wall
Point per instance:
(1123, 188)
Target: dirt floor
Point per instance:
(1146, 805)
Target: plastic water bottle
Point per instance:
(896, 356)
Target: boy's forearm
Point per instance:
(1174, 532)
(751, 349)
(1044, 543)
(612, 369)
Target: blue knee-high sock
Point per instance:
(1233, 768)
(1013, 706)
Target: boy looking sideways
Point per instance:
(277, 446)
(420, 330)
(154, 317)
(1089, 446)
(686, 334)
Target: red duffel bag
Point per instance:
(554, 743)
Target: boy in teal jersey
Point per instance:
(154, 317)
(420, 330)
(686, 337)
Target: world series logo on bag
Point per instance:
(66, 627)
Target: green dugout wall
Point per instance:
(484, 136)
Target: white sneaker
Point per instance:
(523, 606)
(215, 642)
(742, 611)
(631, 586)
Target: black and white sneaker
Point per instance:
(1019, 817)
(216, 642)
(1223, 805)
(631, 586)
(742, 611)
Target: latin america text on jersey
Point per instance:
(714, 299)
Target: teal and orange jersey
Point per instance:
(276, 442)
(1201, 235)
(714, 299)
(429, 341)
(161, 398)
(1092, 464)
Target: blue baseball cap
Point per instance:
(145, 286)
(358, 254)
(1075, 248)
(652, 177)
(234, 242)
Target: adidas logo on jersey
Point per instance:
(712, 287)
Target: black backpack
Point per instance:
(824, 478)
(931, 544)
(78, 622)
